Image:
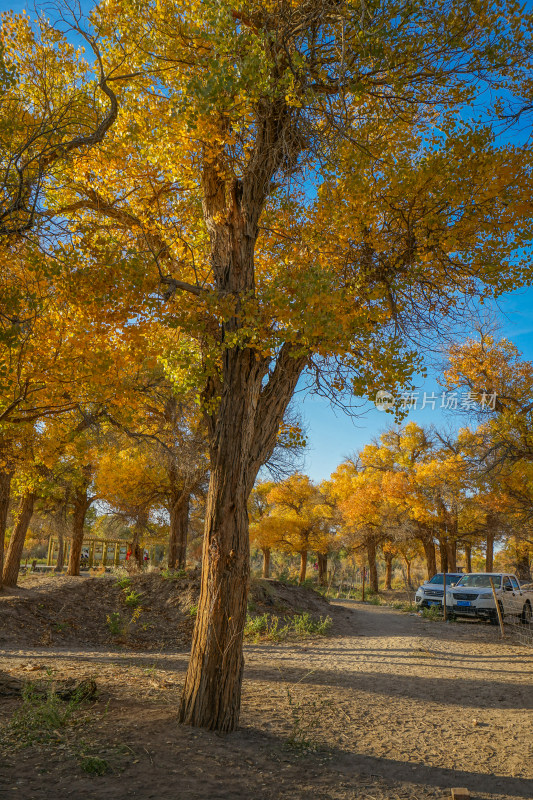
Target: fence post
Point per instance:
(444, 599)
(498, 610)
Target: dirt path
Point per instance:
(397, 708)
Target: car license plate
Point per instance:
(464, 603)
(433, 602)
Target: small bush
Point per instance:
(44, 713)
(132, 599)
(115, 623)
(432, 613)
(404, 606)
(276, 629)
(306, 719)
(93, 765)
(304, 624)
(124, 583)
(193, 610)
(173, 574)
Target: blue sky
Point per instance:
(332, 435)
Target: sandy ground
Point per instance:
(393, 707)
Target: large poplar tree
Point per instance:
(303, 183)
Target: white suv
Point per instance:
(432, 592)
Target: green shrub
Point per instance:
(304, 625)
(133, 599)
(124, 583)
(173, 574)
(43, 713)
(93, 765)
(402, 605)
(115, 623)
(276, 629)
(432, 613)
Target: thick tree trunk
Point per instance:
(522, 560)
(16, 542)
(251, 393)
(303, 567)
(451, 548)
(266, 561)
(322, 569)
(242, 439)
(81, 505)
(372, 565)
(388, 571)
(431, 559)
(212, 691)
(489, 555)
(5, 488)
(468, 557)
(443, 555)
(179, 525)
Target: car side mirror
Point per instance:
(452, 584)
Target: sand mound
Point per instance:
(151, 612)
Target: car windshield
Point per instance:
(450, 578)
(480, 581)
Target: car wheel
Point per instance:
(527, 614)
(493, 619)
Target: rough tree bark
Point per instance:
(179, 525)
(388, 570)
(451, 549)
(252, 393)
(372, 565)
(82, 501)
(16, 542)
(322, 559)
(266, 561)
(429, 552)
(5, 488)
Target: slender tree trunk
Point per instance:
(388, 570)
(60, 550)
(303, 567)
(489, 555)
(81, 505)
(5, 489)
(16, 542)
(322, 569)
(179, 525)
(409, 579)
(468, 557)
(266, 561)
(429, 553)
(372, 565)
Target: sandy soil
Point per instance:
(392, 707)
